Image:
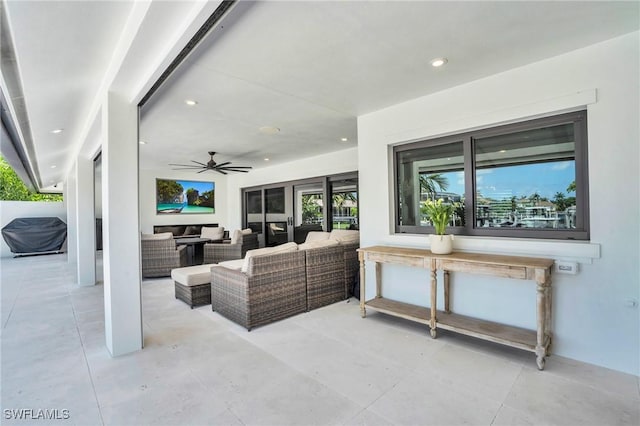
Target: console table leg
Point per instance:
(363, 311)
(540, 361)
(540, 349)
(378, 280)
(543, 300)
(547, 317)
(445, 274)
(434, 290)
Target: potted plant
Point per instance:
(440, 215)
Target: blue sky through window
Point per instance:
(546, 179)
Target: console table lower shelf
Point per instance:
(516, 337)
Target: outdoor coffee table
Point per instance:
(195, 249)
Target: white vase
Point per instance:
(441, 244)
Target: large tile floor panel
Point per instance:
(324, 367)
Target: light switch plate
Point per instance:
(564, 267)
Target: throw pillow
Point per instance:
(192, 230)
(238, 233)
(212, 233)
(316, 236)
(345, 236)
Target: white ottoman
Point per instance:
(193, 284)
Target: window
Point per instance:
(521, 180)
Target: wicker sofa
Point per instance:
(160, 255)
(277, 282)
(272, 288)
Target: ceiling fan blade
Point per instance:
(185, 165)
(222, 168)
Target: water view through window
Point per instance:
(527, 179)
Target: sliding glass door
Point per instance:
(309, 209)
(344, 202)
(278, 215)
(288, 211)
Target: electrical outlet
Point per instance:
(564, 267)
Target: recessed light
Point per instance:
(190, 102)
(438, 62)
(56, 131)
(344, 139)
(142, 142)
(54, 166)
(503, 150)
(266, 159)
(269, 130)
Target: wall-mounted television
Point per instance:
(177, 196)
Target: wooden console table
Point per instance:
(522, 268)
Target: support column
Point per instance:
(86, 222)
(70, 201)
(121, 239)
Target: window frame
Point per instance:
(581, 232)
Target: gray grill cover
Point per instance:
(35, 234)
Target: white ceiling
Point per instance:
(308, 68)
(62, 49)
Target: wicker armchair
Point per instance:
(160, 255)
(273, 288)
(325, 269)
(220, 252)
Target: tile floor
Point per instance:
(328, 366)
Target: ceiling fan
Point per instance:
(212, 165)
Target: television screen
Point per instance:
(184, 197)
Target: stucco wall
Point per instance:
(593, 316)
